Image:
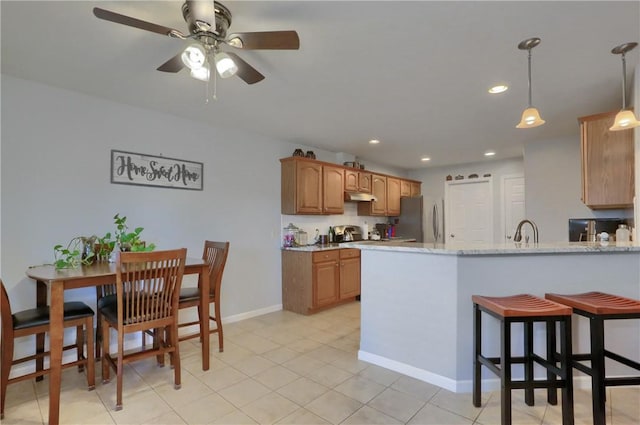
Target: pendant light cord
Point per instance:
(624, 82)
(529, 58)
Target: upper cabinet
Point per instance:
(309, 187)
(607, 163)
(357, 181)
(315, 187)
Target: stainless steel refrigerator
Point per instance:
(410, 221)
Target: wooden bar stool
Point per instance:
(526, 309)
(598, 307)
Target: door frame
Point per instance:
(503, 204)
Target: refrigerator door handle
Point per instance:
(434, 223)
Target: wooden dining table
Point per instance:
(99, 273)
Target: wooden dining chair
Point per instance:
(147, 290)
(36, 321)
(215, 254)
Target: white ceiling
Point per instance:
(412, 74)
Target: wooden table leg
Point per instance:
(204, 318)
(41, 301)
(55, 340)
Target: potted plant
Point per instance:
(129, 241)
(74, 254)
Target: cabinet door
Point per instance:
(379, 190)
(415, 189)
(364, 182)
(351, 180)
(607, 163)
(308, 187)
(333, 199)
(349, 277)
(405, 188)
(393, 196)
(326, 278)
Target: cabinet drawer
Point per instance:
(349, 253)
(331, 255)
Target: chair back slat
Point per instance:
(215, 254)
(148, 285)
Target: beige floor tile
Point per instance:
(416, 388)
(304, 345)
(302, 417)
(350, 363)
(302, 391)
(20, 393)
(192, 389)
(152, 373)
(244, 392)
(166, 419)
(323, 337)
(462, 404)
(251, 325)
(222, 378)
(80, 407)
(360, 388)
(333, 406)
(27, 412)
(276, 377)
(369, 416)
(329, 375)
(232, 353)
(303, 365)
(284, 337)
(281, 355)
(254, 365)
(326, 353)
(205, 410)
(140, 407)
(380, 375)
(255, 343)
(434, 415)
(346, 343)
(270, 408)
(521, 413)
(396, 404)
(237, 417)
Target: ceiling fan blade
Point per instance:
(285, 40)
(174, 64)
(246, 72)
(136, 23)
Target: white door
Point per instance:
(469, 211)
(513, 206)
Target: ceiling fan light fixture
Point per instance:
(225, 65)
(202, 73)
(194, 56)
(625, 119)
(530, 116)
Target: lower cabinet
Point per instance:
(312, 281)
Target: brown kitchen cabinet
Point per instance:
(410, 188)
(416, 189)
(379, 190)
(357, 181)
(311, 187)
(607, 163)
(393, 196)
(312, 281)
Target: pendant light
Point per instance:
(625, 119)
(194, 56)
(530, 116)
(225, 65)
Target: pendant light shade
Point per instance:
(625, 119)
(201, 73)
(530, 116)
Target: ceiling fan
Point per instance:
(208, 22)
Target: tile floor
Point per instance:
(283, 368)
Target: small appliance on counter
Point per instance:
(347, 233)
(588, 229)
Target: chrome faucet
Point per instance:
(517, 237)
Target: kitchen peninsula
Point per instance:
(416, 312)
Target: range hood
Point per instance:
(359, 197)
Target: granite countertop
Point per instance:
(315, 248)
(510, 248)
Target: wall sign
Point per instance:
(159, 171)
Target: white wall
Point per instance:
(433, 182)
(56, 185)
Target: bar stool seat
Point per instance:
(526, 309)
(598, 307)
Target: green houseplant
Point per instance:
(129, 240)
(71, 256)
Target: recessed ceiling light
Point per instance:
(425, 159)
(374, 141)
(501, 88)
(489, 153)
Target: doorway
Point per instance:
(512, 204)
